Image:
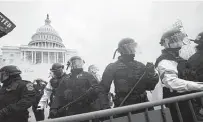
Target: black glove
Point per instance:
(4, 112)
(68, 95)
(150, 67)
(53, 113)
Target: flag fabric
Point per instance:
(6, 25)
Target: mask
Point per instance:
(187, 51)
(57, 73)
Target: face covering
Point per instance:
(187, 51)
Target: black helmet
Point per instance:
(56, 66)
(169, 34)
(75, 57)
(72, 59)
(11, 69)
(126, 46)
(199, 38)
(125, 41)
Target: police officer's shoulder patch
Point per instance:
(30, 86)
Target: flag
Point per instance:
(6, 25)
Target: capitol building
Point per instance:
(46, 46)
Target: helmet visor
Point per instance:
(129, 48)
(77, 63)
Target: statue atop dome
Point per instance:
(47, 21)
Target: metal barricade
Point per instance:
(162, 115)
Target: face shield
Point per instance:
(175, 41)
(129, 48)
(3, 76)
(76, 64)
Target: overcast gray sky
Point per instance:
(94, 27)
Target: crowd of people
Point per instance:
(85, 91)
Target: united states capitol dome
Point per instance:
(46, 36)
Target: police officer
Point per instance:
(49, 92)
(195, 62)
(80, 87)
(172, 70)
(39, 86)
(125, 73)
(195, 65)
(16, 95)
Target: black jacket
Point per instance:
(17, 97)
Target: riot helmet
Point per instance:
(57, 69)
(8, 71)
(75, 62)
(127, 46)
(174, 38)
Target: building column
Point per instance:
(57, 58)
(35, 57)
(24, 57)
(48, 57)
(42, 57)
(21, 55)
(32, 56)
(64, 57)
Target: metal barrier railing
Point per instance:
(128, 109)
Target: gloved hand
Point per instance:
(68, 95)
(53, 113)
(150, 67)
(3, 113)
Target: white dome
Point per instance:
(46, 34)
(48, 29)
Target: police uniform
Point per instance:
(195, 65)
(16, 96)
(173, 74)
(77, 83)
(125, 73)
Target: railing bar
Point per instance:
(147, 115)
(178, 111)
(201, 98)
(111, 118)
(192, 110)
(129, 116)
(125, 109)
(163, 114)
